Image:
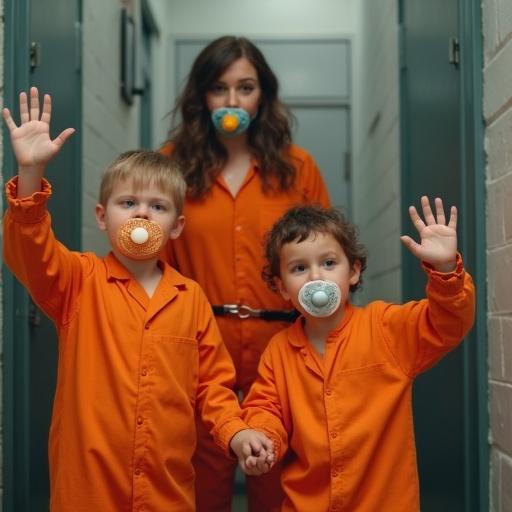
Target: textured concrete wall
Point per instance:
(1, 243)
(497, 28)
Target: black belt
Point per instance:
(245, 312)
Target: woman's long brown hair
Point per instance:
(196, 148)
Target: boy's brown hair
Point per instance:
(297, 224)
(143, 168)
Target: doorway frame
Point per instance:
(16, 311)
(472, 240)
(15, 390)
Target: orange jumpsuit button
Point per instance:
(137, 471)
(328, 391)
(334, 435)
(144, 372)
(140, 420)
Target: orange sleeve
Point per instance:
(216, 402)
(310, 179)
(264, 410)
(51, 273)
(419, 333)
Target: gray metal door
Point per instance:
(321, 107)
(43, 44)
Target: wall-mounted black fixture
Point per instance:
(128, 60)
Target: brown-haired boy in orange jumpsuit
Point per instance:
(139, 349)
(334, 390)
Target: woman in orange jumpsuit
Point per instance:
(243, 173)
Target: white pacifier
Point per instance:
(140, 239)
(320, 298)
(139, 235)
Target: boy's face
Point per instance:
(320, 256)
(149, 203)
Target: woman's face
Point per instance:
(237, 87)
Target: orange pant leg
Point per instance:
(264, 492)
(214, 474)
(215, 479)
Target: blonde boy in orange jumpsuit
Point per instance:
(335, 388)
(139, 349)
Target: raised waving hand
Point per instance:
(438, 238)
(31, 142)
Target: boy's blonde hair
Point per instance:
(144, 168)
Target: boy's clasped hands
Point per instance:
(255, 452)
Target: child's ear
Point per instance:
(355, 273)
(282, 290)
(100, 217)
(177, 228)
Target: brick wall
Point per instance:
(376, 181)
(1, 240)
(497, 29)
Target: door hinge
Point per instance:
(453, 51)
(34, 55)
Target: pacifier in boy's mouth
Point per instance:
(231, 121)
(320, 298)
(140, 239)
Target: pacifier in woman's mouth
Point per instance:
(140, 239)
(231, 121)
(320, 298)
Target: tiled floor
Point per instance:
(239, 503)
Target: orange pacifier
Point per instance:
(140, 239)
(230, 122)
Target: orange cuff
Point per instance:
(31, 209)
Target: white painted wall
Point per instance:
(265, 18)
(283, 17)
(376, 183)
(109, 126)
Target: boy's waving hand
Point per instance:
(31, 142)
(438, 244)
